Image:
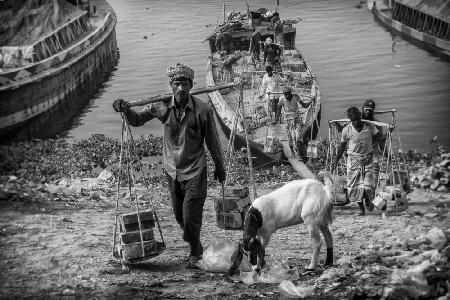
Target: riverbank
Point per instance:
(57, 220)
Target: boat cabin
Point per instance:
(242, 27)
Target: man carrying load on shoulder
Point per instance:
(360, 163)
(292, 117)
(188, 125)
(368, 111)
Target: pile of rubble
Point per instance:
(416, 268)
(435, 177)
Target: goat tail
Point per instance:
(326, 209)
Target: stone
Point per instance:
(105, 175)
(135, 236)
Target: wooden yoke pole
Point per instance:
(167, 97)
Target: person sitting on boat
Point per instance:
(277, 24)
(272, 55)
(270, 84)
(292, 118)
(224, 42)
(188, 125)
(360, 173)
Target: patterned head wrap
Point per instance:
(179, 71)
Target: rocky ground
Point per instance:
(56, 241)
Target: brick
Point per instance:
(135, 226)
(134, 250)
(231, 204)
(129, 222)
(135, 236)
(132, 218)
(229, 220)
(236, 191)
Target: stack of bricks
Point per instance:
(231, 209)
(392, 198)
(130, 235)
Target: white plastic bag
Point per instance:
(222, 256)
(290, 290)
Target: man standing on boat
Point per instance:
(292, 118)
(360, 172)
(270, 84)
(272, 55)
(188, 125)
(277, 25)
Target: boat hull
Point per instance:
(430, 43)
(38, 100)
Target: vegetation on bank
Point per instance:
(46, 161)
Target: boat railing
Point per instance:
(48, 45)
(61, 37)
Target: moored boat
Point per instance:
(424, 22)
(53, 57)
(268, 143)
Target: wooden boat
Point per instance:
(47, 77)
(296, 72)
(423, 22)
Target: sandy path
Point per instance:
(61, 248)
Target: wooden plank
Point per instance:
(134, 250)
(237, 191)
(231, 204)
(298, 166)
(133, 218)
(135, 236)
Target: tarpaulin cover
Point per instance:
(34, 20)
(436, 8)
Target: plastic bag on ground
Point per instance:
(222, 256)
(290, 290)
(437, 238)
(409, 283)
(276, 272)
(249, 278)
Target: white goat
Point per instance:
(307, 200)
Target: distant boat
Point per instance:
(425, 22)
(296, 73)
(53, 55)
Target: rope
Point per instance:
(118, 188)
(152, 204)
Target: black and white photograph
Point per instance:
(225, 149)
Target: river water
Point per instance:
(353, 56)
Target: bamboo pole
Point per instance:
(166, 97)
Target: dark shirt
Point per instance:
(184, 135)
(272, 53)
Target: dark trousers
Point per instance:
(188, 199)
